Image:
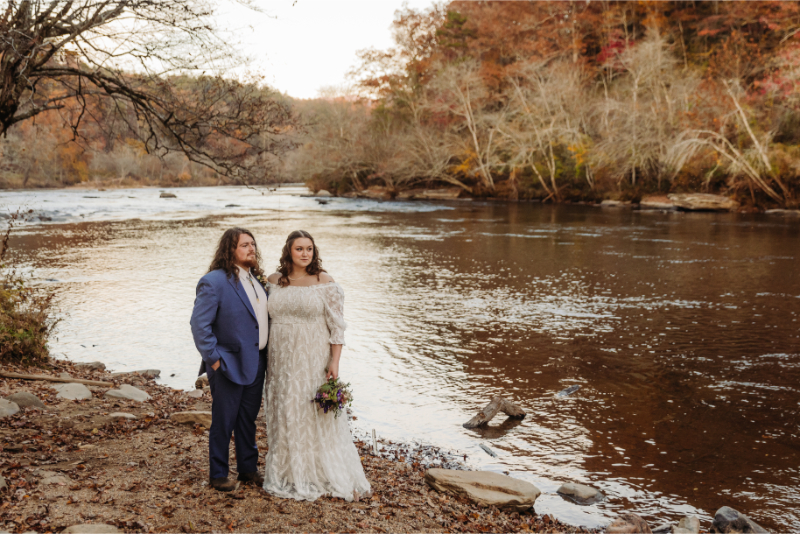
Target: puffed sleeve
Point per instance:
(333, 297)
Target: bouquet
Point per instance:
(333, 396)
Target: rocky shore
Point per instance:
(131, 456)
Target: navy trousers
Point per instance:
(234, 408)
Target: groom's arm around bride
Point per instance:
(230, 327)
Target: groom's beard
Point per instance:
(250, 263)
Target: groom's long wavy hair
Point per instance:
(224, 257)
(285, 267)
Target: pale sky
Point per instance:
(312, 44)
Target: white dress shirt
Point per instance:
(258, 298)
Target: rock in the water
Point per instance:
(164, 195)
(485, 488)
(91, 528)
(784, 213)
(569, 391)
(118, 416)
(24, 399)
(703, 202)
(8, 408)
(727, 520)
(450, 193)
(91, 366)
(615, 204)
(145, 373)
(126, 391)
(72, 391)
(663, 528)
(191, 418)
(196, 393)
(323, 193)
(55, 479)
(628, 524)
(581, 493)
(656, 202)
(201, 382)
(687, 525)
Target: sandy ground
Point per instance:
(71, 463)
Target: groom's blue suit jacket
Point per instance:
(225, 328)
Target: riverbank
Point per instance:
(128, 464)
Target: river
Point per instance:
(681, 329)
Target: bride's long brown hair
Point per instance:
(285, 267)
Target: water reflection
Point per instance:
(681, 329)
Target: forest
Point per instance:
(556, 101)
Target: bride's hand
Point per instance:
(332, 371)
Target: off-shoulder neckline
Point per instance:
(333, 282)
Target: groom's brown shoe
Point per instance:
(222, 484)
(251, 478)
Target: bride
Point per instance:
(310, 453)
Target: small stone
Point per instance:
(663, 528)
(687, 525)
(91, 528)
(201, 382)
(126, 391)
(8, 408)
(581, 493)
(24, 399)
(727, 520)
(72, 391)
(122, 415)
(53, 480)
(64, 375)
(615, 204)
(91, 366)
(191, 418)
(164, 195)
(323, 193)
(485, 488)
(195, 394)
(628, 524)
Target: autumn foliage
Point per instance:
(571, 100)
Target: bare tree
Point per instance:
(159, 64)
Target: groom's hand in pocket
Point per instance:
(215, 366)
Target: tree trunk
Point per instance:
(497, 404)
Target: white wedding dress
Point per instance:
(310, 453)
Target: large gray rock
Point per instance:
(92, 528)
(485, 488)
(628, 524)
(145, 373)
(126, 391)
(8, 408)
(196, 393)
(24, 399)
(323, 193)
(72, 391)
(616, 204)
(581, 493)
(703, 202)
(727, 520)
(164, 194)
(91, 366)
(191, 418)
(687, 525)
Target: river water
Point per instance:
(681, 329)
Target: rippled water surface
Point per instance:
(681, 329)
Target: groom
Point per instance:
(230, 328)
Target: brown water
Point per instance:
(681, 329)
